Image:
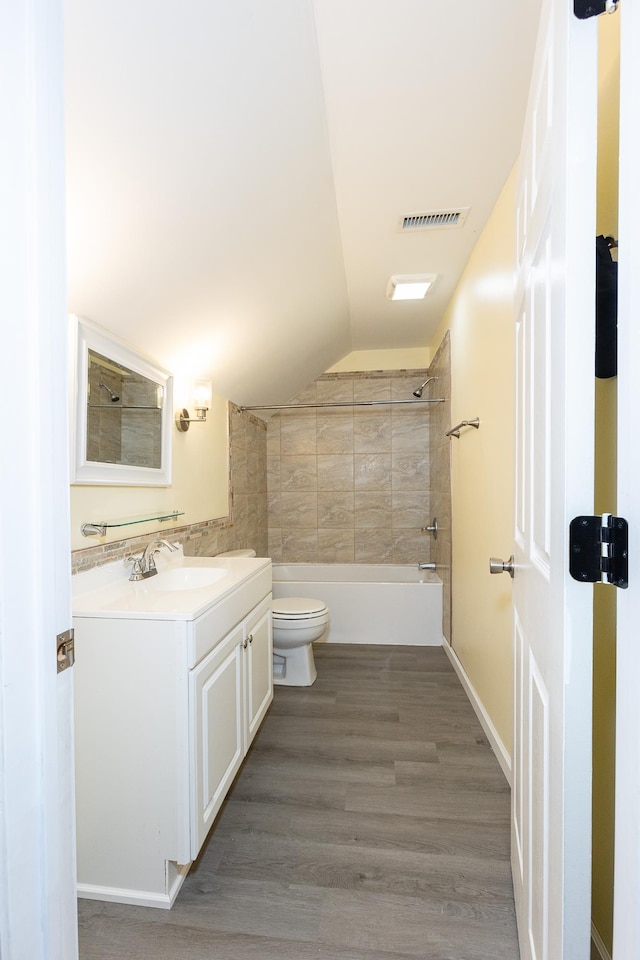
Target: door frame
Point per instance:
(38, 917)
(626, 921)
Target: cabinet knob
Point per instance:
(244, 645)
(250, 638)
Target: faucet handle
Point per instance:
(136, 567)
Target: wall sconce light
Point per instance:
(201, 402)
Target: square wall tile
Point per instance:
(373, 546)
(411, 547)
(374, 388)
(373, 509)
(410, 509)
(335, 509)
(274, 544)
(410, 472)
(274, 509)
(336, 546)
(298, 474)
(299, 546)
(372, 471)
(297, 434)
(299, 509)
(335, 472)
(372, 432)
(273, 437)
(337, 391)
(335, 432)
(410, 433)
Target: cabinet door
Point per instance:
(217, 735)
(258, 666)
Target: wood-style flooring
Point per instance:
(370, 822)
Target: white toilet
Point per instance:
(297, 622)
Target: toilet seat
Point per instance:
(298, 608)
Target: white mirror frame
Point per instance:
(83, 336)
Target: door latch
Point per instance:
(65, 646)
(599, 550)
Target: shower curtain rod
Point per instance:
(345, 403)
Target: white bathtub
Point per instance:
(369, 603)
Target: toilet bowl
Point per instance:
(297, 622)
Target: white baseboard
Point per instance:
(598, 945)
(497, 745)
(137, 898)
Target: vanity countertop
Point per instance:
(107, 591)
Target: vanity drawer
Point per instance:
(212, 626)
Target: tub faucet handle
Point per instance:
(432, 528)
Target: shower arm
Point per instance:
(455, 431)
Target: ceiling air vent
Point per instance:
(433, 220)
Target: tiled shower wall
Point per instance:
(440, 477)
(352, 484)
(245, 527)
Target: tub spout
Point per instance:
(426, 566)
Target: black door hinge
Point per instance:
(599, 550)
(585, 9)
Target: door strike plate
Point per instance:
(65, 650)
(599, 550)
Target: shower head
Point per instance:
(418, 392)
(114, 396)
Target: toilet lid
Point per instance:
(296, 607)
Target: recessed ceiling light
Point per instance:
(409, 287)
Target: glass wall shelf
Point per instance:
(100, 529)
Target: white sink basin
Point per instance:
(187, 578)
(183, 589)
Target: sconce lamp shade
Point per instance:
(201, 400)
(202, 394)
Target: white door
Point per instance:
(626, 924)
(37, 847)
(551, 821)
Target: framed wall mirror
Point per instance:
(121, 411)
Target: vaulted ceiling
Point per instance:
(237, 172)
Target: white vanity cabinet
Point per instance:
(166, 707)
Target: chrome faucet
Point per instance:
(426, 566)
(144, 566)
(148, 563)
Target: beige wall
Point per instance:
(604, 651)
(480, 321)
(401, 359)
